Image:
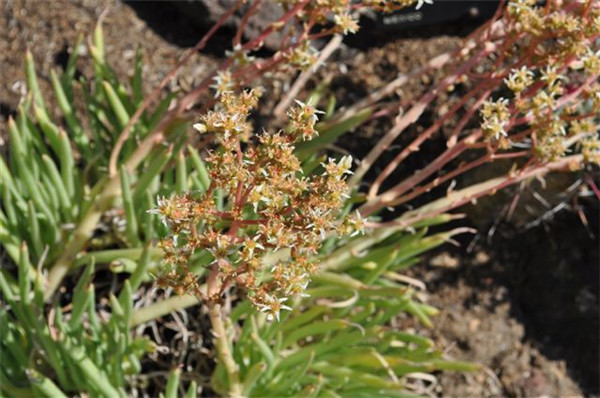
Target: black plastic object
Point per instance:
(430, 14)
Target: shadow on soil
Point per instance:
(552, 272)
(170, 22)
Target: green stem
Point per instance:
(224, 351)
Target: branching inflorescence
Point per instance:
(554, 83)
(532, 76)
(258, 201)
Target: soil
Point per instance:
(523, 303)
(50, 29)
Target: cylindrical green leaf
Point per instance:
(157, 163)
(50, 190)
(192, 391)
(303, 318)
(200, 167)
(24, 269)
(16, 142)
(262, 346)
(68, 76)
(314, 329)
(99, 41)
(382, 265)
(81, 301)
(141, 269)
(52, 352)
(181, 177)
(32, 81)
(30, 130)
(126, 301)
(115, 306)
(9, 295)
(329, 132)
(94, 375)
(136, 81)
(303, 354)
(160, 110)
(11, 214)
(34, 230)
(44, 386)
(85, 277)
(252, 377)
(61, 191)
(92, 316)
(286, 384)
(123, 265)
(415, 309)
(131, 227)
(35, 193)
(81, 140)
(48, 128)
(149, 219)
(336, 279)
(116, 104)
(11, 340)
(135, 366)
(67, 163)
(172, 383)
(456, 366)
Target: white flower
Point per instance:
(161, 203)
(199, 127)
(223, 82)
(337, 170)
(346, 164)
(519, 79)
(274, 307)
(358, 223)
(223, 248)
(493, 127)
(550, 75)
(346, 22)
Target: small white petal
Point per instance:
(199, 127)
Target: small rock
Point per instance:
(444, 260)
(474, 324)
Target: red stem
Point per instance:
(536, 170)
(240, 30)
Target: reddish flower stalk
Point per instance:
(536, 72)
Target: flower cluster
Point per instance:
(334, 16)
(259, 204)
(554, 87)
(495, 117)
(302, 56)
(519, 80)
(222, 82)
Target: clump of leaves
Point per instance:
(56, 353)
(54, 193)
